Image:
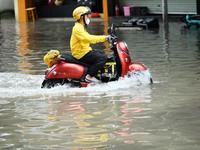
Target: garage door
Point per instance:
(155, 6)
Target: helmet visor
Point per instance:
(89, 11)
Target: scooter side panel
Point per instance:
(66, 70)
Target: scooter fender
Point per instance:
(124, 57)
(136, 66)
(65, 70)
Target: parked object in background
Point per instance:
(94, 15)
(127, 11)
(58, 2)
(142, 22)
(31, 14)
(192, 21)
(88, 3)
(135, 11)
(117, 10)
(50, 2)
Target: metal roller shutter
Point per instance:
(155, 6)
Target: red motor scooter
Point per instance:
(73, 72)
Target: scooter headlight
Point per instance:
(54, 73)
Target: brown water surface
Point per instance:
(126, 114)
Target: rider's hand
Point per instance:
(109, 38)
(56, 59)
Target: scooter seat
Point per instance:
(69, 58)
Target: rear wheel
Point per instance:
(49, 83)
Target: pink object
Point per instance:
(127, 11)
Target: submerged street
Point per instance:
(125, 114)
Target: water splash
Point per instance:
(21, 85)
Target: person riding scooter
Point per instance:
(80, 43)
(66, 70)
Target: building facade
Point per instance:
(6, 5)
(174, 6)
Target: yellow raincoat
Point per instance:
(80, 41)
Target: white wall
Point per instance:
(6, 5)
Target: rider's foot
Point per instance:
(88, 78)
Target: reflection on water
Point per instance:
(118, 115)
(166, 42)
(82, 121)
(23, 50)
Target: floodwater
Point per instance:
(126, 114)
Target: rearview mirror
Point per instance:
(111, 29)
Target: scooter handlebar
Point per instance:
(111, 38)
